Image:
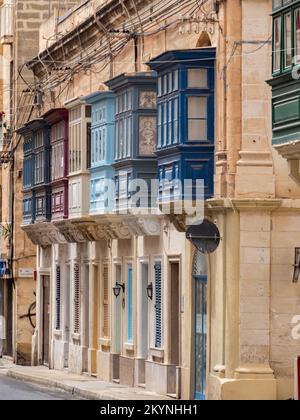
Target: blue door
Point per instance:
(200, 335)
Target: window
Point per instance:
(197, 118)
(106, 314)
(170, 121)
(75, 195)
(58, 298)
(39, 141)
(175, 121)
(75, 128)
(175, 80)
(27, 209)
(39, 168)
(98, 146)
(277, 44)
(57, 167)
(129, 305)
(297, 35)
(165, 123)
(58, 202)
(197, 79)
(40, 206)
(27, 172)
(58, 152)
(159, 126)
(76, 299)
(287, 40)
(158, 306)
(124, 125)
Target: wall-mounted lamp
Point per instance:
(117, 289)
(150, 291)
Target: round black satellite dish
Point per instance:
(205, 236)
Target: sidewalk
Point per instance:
(5, 365)
(81, 386)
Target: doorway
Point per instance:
(117, 326)
(86, 315)
(67, 315)
(200, 328)
(6, 314)
(96, 327)
(9, 317)
(175, 314)
(46, 320)
(143, 323)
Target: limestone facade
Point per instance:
(252, 301)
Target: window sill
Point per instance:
(105, 342)
(76, 337)
(129, 347)
(158, 353)
(58, 334)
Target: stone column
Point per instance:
(231, 237)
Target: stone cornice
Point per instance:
(244, 204)
(290, 150)
(44, 234)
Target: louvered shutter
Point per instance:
(129, 306)
(106, 317)
(158, 306)
(76, 299)
(58, 298)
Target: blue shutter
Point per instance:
(158, 306)
(129, 306)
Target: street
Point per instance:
(11, 389)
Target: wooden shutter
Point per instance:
(76, 299)
(58, 298)
(129, 306)
(158, 306)
(106, 315)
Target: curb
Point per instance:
(89, 395)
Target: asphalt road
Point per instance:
(13, 390)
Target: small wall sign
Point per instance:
(26, 273)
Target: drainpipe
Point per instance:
(232, 82)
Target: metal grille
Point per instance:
(76, 299)
(158, 306)
(58, 298)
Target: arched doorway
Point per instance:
(200, 329)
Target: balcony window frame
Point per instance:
(58, 170)
(280, 13)
(124, 124)
(285, 40)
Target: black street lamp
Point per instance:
(117, 289)
(150, 291)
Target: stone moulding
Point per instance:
(143, 225)
(246, 204)
(92, 230)
(100, 228)
(290, 150)
(44, 234)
